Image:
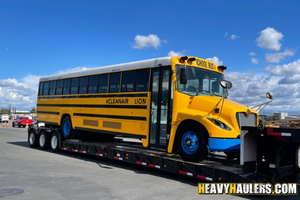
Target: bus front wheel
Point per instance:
(67, 129)
(192, 143)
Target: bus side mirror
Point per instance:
(226, 84)
(183, 76)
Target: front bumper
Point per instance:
(224, 145)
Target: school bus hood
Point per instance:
(207, 103)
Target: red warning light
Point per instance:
(221, 68)
(191, 60)
(183, 59)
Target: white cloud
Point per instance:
(173, 53)
(21, 94)
(269, 39)
(277, 57)
(250, 90)
(290, 79)
(254, 61)
(284, 70)
(233, 37)
(215, 60)
(252, 54)
(142, 42)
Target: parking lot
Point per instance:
(37, 174)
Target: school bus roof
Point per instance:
(155, 62)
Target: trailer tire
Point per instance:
(44, 140)
(54, 141)
(192, 143)
(33, 139)
(67, 129)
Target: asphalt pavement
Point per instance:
(29, 174)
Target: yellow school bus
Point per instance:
(178, 104)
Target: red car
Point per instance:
(22, 121)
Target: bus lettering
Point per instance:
(117, 101)
(140, 101)
(201, 63)
(210, 65)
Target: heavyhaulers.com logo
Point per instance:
(248, 188)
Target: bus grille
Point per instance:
(244, 120)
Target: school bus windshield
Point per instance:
(200, 82)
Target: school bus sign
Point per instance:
(248, 188)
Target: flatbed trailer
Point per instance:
(267, 155)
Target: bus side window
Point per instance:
(74, 85)
(93, 84)
(66, 86)
(103, 79)
(41, 88)
(46, 88)
(142, 80)
(83, 85)
(58, 87)
(51, 87)
(128, 81)
(114, 82)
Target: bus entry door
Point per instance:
(160, 107)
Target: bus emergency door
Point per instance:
(160, 107)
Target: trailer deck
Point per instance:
(263, 159)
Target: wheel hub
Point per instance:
(189, 142)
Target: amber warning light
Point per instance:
(191, 60)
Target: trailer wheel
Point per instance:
(33, 139)
(66, 127)
(54, 141)
(44, 140)
(192, 143)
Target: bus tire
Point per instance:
(33, 139)
(67, 129)
(44, 140)
(192, 143)
(54, 141)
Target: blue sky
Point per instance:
(257, 40)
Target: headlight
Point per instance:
(219, 124)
